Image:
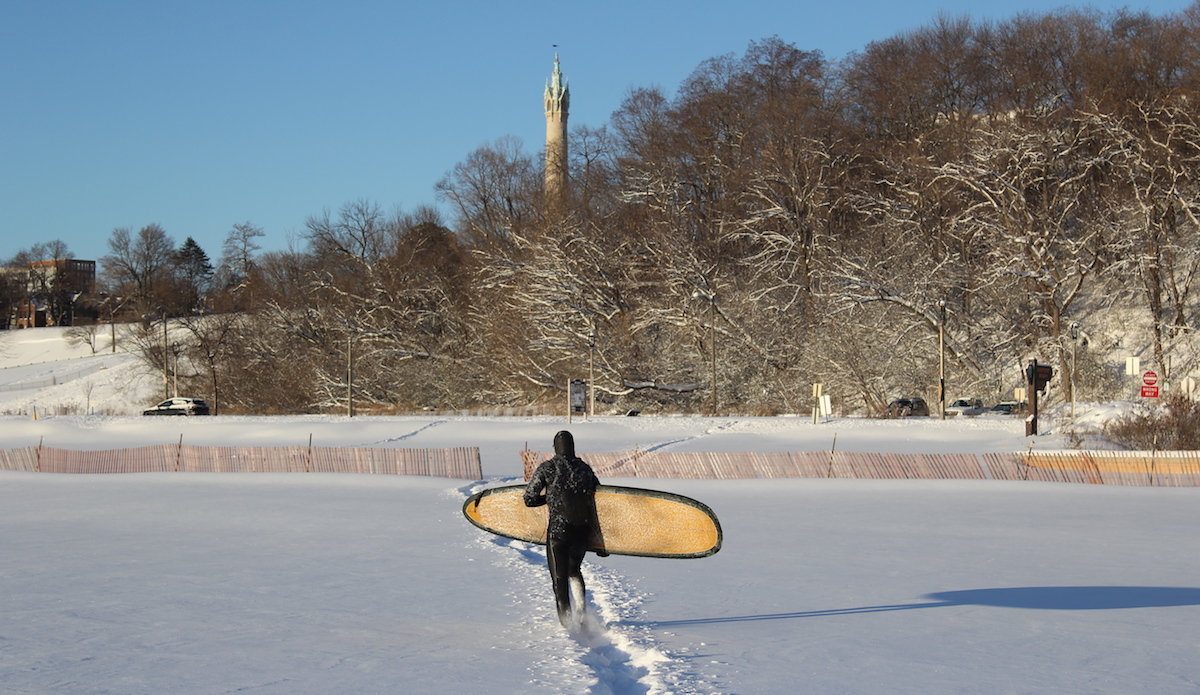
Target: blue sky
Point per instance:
(202, 115)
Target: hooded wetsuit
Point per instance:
(568, 486)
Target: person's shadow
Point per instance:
(1054, 598)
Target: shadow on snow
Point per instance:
(1054, 598)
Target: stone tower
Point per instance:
(558, 102)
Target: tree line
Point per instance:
(781, 219)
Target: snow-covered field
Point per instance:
(313, 583)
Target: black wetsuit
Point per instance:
(567, 484)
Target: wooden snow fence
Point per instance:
(1143, 468)
(1173, 469)
(783, 464)
(458, 462)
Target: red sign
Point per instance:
(1150, 379)
(1149, 391)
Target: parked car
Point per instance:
(969, 407)
(179, 406)
(1008, 408)
(904, 407)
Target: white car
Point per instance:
(969, 407)
(179, 406)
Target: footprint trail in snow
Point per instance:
(603, 654)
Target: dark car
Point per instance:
(904, 407)
(1009, 408)
(179, 406)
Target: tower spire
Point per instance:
(558, 92)
(558, 103)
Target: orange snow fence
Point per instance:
(1172, 469)
(459, 462)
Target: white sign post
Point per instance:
(1133, 367)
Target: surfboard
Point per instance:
(633, 521)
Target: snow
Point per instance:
(320, 583)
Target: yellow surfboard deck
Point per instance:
(633, 521)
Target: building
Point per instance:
(58, 292)
(558, 103)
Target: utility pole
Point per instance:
(166, 381)
(591, 409)
(712, 338)
(1074, 362)
(350, 375)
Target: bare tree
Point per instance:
(238, 254)
(47, 282)
(594, 173)
(83, 335)
(360, 233)
(493, 193)
(12, 292)
(1039, 192)
(138, 265)
(211, 338)
(1160, 249)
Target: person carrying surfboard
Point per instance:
(567, 485)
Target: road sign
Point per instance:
(1150, 379)
(1039, 375)
(578, 396)
(1149, 391)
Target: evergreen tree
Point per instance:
(192, 273)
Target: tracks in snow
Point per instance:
(713, 430)
(609, 653)
(391, 440)
(600, 656)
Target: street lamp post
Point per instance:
(942, 358)
(166, 382)
(1074, 347)
(175, 369)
